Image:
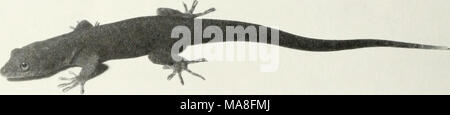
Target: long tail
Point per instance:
(310, 44)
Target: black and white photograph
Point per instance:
(225, 47)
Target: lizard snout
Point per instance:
(3, 72)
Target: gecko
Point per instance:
(90, 46)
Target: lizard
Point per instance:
(89, 47)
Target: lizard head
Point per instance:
(30, 62)
(40, 59)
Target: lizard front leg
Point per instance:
(90, 69)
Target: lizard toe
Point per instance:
(73, 82)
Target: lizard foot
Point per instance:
(180, 66)
(75, 81)
(189, 13)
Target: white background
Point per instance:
(362, 71)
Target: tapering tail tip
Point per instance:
(444, 48)
(435, 47)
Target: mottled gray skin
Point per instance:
(90, 46)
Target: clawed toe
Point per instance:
(196, 61)
(171, 76)
(181, 78)
(72, 84)
(66, 79)
(195, 74)
(63, 85)
(68, 86)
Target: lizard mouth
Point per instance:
(25, 78)
(13, 77)
(18, 77)
(9, 75)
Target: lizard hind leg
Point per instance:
(179, 67)
(162, 57)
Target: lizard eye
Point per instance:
(24, 66)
